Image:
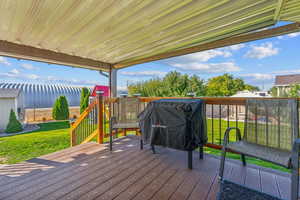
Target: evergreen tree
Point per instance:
(60, 109)
(13, 125)
(84, 99)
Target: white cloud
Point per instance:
(15, 71)
(122, 88)
(206, 55)
(291, 71)
(235, 47)
(144, 73)
(4, 61)
(258, 76)
(51, 78)
(291, 35)
(9, 75)
(28, 66)
(208, 67)
(280, 37)
(262, 51)
(17, 75)
(32, 76)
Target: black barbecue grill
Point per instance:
(175, 123)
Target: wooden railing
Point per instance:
(89, 125)
(221, 113)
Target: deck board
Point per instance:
(252, 179)
(91, 171)
(268, 183)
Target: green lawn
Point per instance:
(216, 132)
(54, 136)
(51, 137)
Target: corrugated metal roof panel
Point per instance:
(9, 93)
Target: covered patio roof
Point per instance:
(115, 34)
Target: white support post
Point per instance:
(113, 82)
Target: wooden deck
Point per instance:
(90, 171)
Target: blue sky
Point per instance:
(256, 62)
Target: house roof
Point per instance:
(287, 79)
(114, 34)
(9, 93)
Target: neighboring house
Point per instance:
(283, 83)
(10, 99)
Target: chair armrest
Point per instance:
(227, 133)
(295, 153)
(296, 145)
(113, 120)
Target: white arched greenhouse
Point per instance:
(44, 95)
(38, 99)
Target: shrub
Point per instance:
(13, 125)
(60, 109)
(84, 99)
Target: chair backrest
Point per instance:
(126, 109)
(272, 122)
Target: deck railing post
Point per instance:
(100, 116)
(73, 137)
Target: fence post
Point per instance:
(100, 116)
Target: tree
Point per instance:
(197, 85)
(84, 99)
(251, 88)
(150, 88)
(13, 125)
(294, 91)
(173, 84)
(226, 85)
(274, 92)
(60, 109)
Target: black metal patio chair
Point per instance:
(271, 133)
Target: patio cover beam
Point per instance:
(290, 28)
(20, 51)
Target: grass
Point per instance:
(248, 159)
(54, 136)
(49, 138)
(216, 132)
